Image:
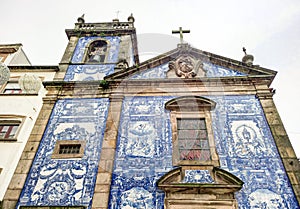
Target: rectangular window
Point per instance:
(193, 139)
(68, 149)
(8, 129)
(12, 88)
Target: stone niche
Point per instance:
(205, 188)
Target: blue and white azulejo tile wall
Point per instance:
(143, 155)
(67, 182)
(247, 149)
(243, 140)
(88, 72)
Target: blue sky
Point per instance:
(269, 29)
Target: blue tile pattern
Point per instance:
(243, 140)
(152, 73)
(67, 182)
(247, 149)
(88, 72)
(83, 43)
(143, 155)
(211, 71)
(197, 176)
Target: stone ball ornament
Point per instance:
(4, 73)
(30, 83)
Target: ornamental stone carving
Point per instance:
(186, 66)
(4, 73)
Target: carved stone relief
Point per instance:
(186, 66)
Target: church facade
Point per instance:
(186, 129)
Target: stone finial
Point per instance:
(248, 58)
(81, 19)
(130, 18)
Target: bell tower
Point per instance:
(96, 50)
(77, 113)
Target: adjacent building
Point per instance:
(19, 108)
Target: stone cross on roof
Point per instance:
(118, 12)
(181, 32)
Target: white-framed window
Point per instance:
(10, 127)
(12, 87)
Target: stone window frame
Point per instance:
(57, 155)
(87, 48)
(192, 107)
(13, 120)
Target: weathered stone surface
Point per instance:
(31, 146)
(107, 154)
(9, 204)
(28, 155)
(103, 178)
(23, 166)
(17, 181)
(100, 200)
(102, 188)
(12, 194)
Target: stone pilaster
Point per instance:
(66, 59)
(18, 180)
(285, 149)
(105, 169)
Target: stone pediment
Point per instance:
(199, 187)
(186, 62)
(214, 181)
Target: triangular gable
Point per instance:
(203, 64)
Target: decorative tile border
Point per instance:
(197, 176)
(88, 72)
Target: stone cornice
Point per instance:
(30, 68)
